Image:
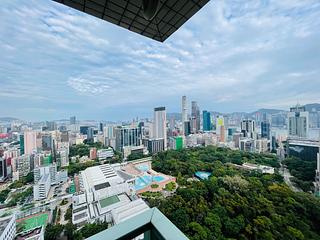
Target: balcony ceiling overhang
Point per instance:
(129, 14)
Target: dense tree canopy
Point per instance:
(232, 203)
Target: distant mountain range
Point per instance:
(309, 107)
(312, 107)
(8, 119)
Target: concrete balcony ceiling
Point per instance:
(156, 19)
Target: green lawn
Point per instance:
(36, 221)
(108, 201)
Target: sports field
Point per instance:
(34, 221)
(108, 201)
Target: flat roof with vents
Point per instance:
(101, 186)
(101, 177)
(172, 14)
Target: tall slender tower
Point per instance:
(195, 116)
(184, 112)
(160, 124)
(30, 142)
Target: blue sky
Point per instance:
(231, 56)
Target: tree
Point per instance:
(91, 229)
(197, 232)
(68, 214)
(30, 177)
(71, 233)
(134, 156)
(52, 232)
(234, 203)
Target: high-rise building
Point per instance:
(51, 126)
(73, 120)
(30, 142)
(84, 130)
(63, 157)
(195, 115)
(160, 125)
(109, 136)
(90, 133)
(184, 112)
(22, 165)
(206, 121)
(298, 122)
(21, 141)
(219, 124)
(248, 128)
(3, 169)
(101, 127)
(265, 129)
(64, 136)
(127, 136)
(187, 128)
(47, 142)
(222, 134)
(155, 145)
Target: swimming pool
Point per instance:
(143, 168)
(158, 178)
(146, 180)
(202, 175)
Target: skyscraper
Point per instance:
(47, 142)
(298, 122)
(51, 126)
(30, 142)
(219, 124)
(248, 128)
(73, 120)
(195, 116)
(265, 129)
(101, 127)
(90, 133)
(160, 124)
(184, 112)
(206, 120)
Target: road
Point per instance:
(286, 175)
(285, 172)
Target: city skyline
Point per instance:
(112, 74)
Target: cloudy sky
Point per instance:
(231, 56)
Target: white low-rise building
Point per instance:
(105, 153)
(103, 190)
